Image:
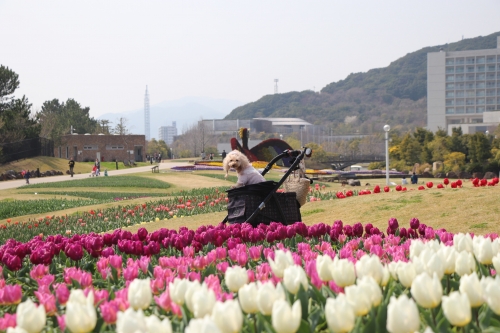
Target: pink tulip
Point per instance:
(8, 320)
(194, 276)
(312, 272)
(62, 293)
(109, 311)
(221, 253)
(39, 271)
(11, 294)
(48, 301)
(222, 266)
(164, 301)
(100, 296)
(121, 299)
(131, 272)
(144, 264)
(255, 252)
(61, 321)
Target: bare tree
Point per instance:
(121, 127)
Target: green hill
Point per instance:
(395, 94)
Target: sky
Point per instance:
(104, 53)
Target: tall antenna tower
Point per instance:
(275, 86)
(147, 131)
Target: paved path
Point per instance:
(20, 182)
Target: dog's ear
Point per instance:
(225, 165)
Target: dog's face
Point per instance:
(235, 160)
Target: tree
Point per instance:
(479, 148)
(9, 82)
(410, 150)
(121, 127)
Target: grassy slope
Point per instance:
(467, 209)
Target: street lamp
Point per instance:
(171, 153)
(387, 128)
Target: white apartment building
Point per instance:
(167, 133)
(463, 90)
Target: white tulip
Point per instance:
(464, 263)
(372, 289)
(370, 266)
(267, 295)
(393, 269)
(343, 272)
(470, 285)
(247, 295)
(496, 263)
(30, 317)
(339, 314)
(428, 330)
(202, 325)
(140, 294)
(177, 290)
(427, 291)
(462, 242)
(131, 321)
(448, 256)
(406, 273)
(433, 244)
(203, 301)
(293, 277)
(16, 329)
(323, 266)
(286, 318)
(154, 324)
(456, 308)
(227, 316)
(359, 299)
(81, 316)
(416, 247)
(235, 278)
(419, 265)
(484, 249)
(492, 295)
(192, 287)
(402, 315)
(385, 276)
(281, 261)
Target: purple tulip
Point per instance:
(357, 229)
(368, 227)
(74, 251)
(393, 223)
(403, 233)
(414, 223)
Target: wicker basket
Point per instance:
(298, 185)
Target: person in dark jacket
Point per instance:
(71, 166)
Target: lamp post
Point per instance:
(171, 153)
(387, 128)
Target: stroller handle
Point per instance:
(288, 153)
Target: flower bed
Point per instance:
(275, 278)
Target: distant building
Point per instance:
(256, 125)
(87, 147)
(167, 133)
(463, 90)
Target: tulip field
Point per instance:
(86, 272)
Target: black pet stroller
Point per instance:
(261, 203)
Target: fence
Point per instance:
(14, 151)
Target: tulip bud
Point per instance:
(427, 291)
(293, 277)
(456, 308)
(247, 295)
(81, 316)
(448, 256)
(406, 273)
(281, 261)
(462, 242)
(484, 249)
(343, 272)
(227, 316)
(372, 289)
(323, 266)
(140, 294)
(177, 290)
(359, 299)
(370, 266)
(205, 325)
(30, 317)
(193, 286)
(416, 247)
(464, 263)
(286, 318)
(131, 321)
(203, 301)
(235, 277)
(470, 285)
(154, 324)
(267, 295)
(402, 315)
(339, 314)
(385, 276)
(492, 295)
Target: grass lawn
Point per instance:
(467, 209)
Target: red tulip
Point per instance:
(386, 189)
(453, 185)
(459, 182)
(430, 184)
(475, 181)
(440, 186)
(376, 189)
(398, 188)
(446, 181)
(349, 193)
(484, 182)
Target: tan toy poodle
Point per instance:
(247, 174)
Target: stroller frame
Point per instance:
(298, 156)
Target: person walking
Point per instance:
(27, 175)
(71, 166)
(97, 166)
(223, 154)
